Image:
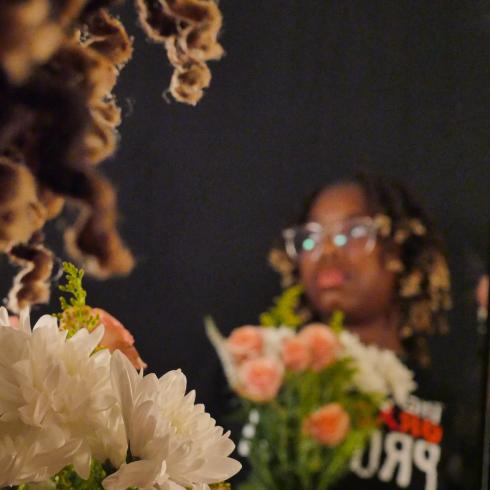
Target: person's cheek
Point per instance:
(357, 266)
(306, 274)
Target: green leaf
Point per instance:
(68, 478)
(75, 313)
(337, 321)
(284, 312)
(73, 286)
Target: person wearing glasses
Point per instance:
(366, 247)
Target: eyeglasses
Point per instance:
(354, 236)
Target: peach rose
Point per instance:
(323, 344)
(117, 337)
(329, 425)
(14, 321)
(260, 379)
(245, 343)
(296, 354)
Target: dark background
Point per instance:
(308, 91)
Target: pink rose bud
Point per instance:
(323, 344)
(117, 337)
(260, 379)
(329, 425)
(296, 354)
(245, 343)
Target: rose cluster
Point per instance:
(259, 362)
(260, 358)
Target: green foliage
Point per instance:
(73, 287)
(76, 314)
(337, 321)
(285, 309)
(68, 479)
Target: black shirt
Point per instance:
(417, 446)
(405, 452)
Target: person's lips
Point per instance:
(330, 278)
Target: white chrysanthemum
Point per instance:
(176, 443)
(366, 378)
(378, 370)
(55, 395)
(398, 378)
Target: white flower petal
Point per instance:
(24, 321)
(123, 378)
(141, 474)
(4, 317)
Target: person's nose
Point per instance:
(328, 248)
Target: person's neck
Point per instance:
(381, 331)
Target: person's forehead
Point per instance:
(338, 203)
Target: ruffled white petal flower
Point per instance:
(224, 354)
(366, 377)
(56, 395)
(4, 317)
(378, 370)
(399, 379)
(274, 339)
(168, 432)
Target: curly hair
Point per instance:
(59, 63)
(423, 278)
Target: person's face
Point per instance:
(353, 281)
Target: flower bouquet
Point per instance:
(76, 413)
(310, 399)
